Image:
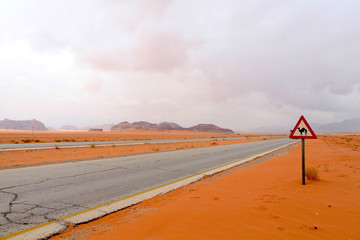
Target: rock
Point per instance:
(22, 125)
(95, 130)
(210, 128)
(169, 126)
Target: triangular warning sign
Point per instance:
(302, 130)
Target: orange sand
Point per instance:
(17, 136)
(265, 201)
(47, 156)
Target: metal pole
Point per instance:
(303, 160)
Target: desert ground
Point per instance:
(21, 136)
(255, 201)
(264, 201)
(11, 159)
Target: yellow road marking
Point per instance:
(26, 230)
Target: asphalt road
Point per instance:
(27, 146)
(34, 195)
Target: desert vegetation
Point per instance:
(312, 173)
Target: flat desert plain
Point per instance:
(11, 159)
(265, 201)
(20, 136)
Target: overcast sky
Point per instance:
(238, 64)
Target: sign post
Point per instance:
(302, 130)
(303, 160)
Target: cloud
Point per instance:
(234, 63)
(160, 51)
(93, 87)
(153, 50)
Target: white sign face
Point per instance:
(302, 130)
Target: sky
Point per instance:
(234, 63)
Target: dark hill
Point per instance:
(123, 126)
(22, 125)
(210, 128)
(170, 126)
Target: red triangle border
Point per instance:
(313, 135)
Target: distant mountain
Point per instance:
(86, 128)
(69, 127)
(350, 125)
(122, 126)
(146, 125)
(105, 127)
(210, 128)
(168, 126)
(22, 125)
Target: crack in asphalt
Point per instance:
(5, 214)
(71, 204)
(29, 214)
(26, 184)
(91, 172)
(31, 218)
(101, 165)
(61, 178)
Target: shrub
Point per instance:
(312, 173)
(92, 145)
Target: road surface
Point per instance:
(34, 195)
(28, 146)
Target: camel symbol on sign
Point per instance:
(303, 130)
